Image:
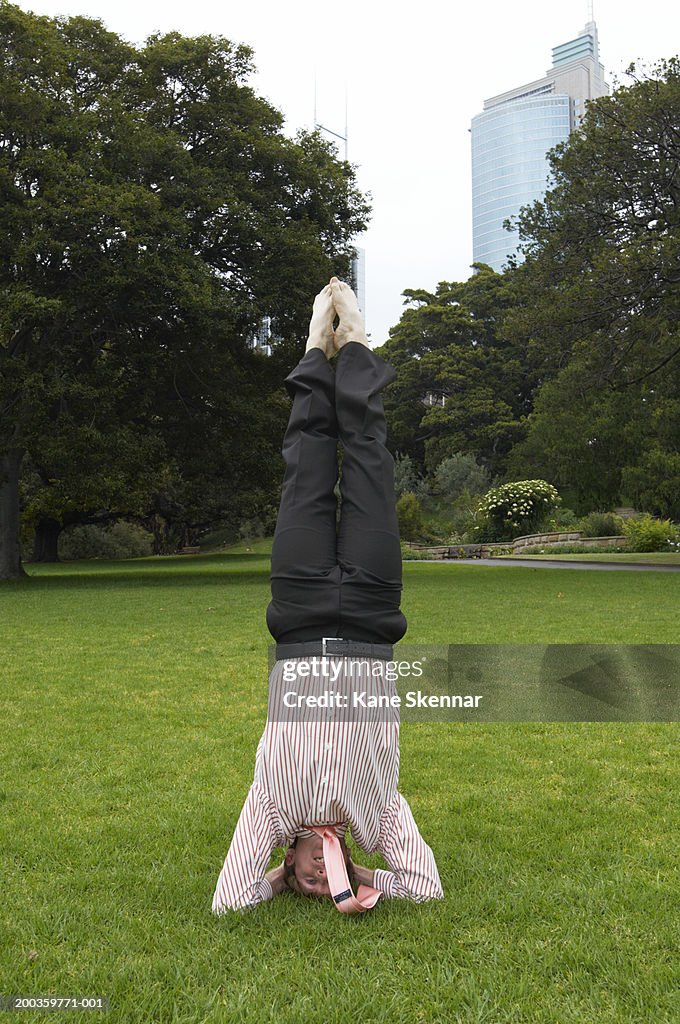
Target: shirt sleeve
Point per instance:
(413, 872)
(242, 884)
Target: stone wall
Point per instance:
(564, 537)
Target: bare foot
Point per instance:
(351, 326)
(321, 325)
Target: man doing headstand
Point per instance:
(335, 596)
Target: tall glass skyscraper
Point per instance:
(358, 277)
(512, 136)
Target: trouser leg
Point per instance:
(368, 549)
(304, 574)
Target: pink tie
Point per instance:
(338, 879)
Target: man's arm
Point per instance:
(413, 873)
(242, 882)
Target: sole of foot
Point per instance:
(321, 325)
(351, 321)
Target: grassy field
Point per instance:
(134, 695)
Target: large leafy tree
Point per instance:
(152, 213)
(600, 314)
(450, 350)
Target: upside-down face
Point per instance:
(306, 870)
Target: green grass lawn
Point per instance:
(134, 698)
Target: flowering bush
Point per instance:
(514, 509)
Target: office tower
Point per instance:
(262, 337)
(358, 280)
(512, 136)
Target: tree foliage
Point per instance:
(449, 349)
(153, 212)
(406, 478)
(599, 305)
(460, 473)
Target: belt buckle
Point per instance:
(323, 643)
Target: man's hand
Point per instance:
(277, 879)
(364, 876)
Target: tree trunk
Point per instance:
(46, 547)
(10, 546)
(158, 527)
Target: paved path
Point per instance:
(551, 564)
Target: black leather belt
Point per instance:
(329, 646)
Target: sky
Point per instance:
(412, 76)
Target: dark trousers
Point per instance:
(343, 582)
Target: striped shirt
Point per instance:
(338, 767)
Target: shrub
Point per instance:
(460, 473)
(120, 540)
(259, 522)
(458, 519)
(481, 532)
(414, 555)
(514, 509)
(252, 529)
(645, 533)
(407, 480)
(561, 519)
(410, 517)
(601, 524)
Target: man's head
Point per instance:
(305, 870)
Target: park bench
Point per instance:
(190, 550)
